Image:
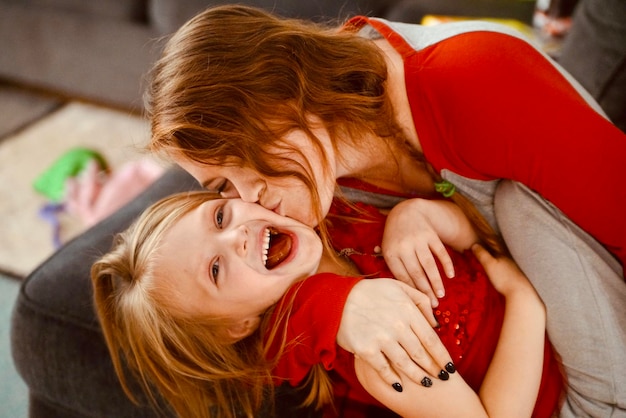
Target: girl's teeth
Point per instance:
(266, 245)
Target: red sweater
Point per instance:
(488, 105)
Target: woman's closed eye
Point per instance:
(228, 190)
(223, 187)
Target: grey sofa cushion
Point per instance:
(131, 10)
(101, 50)
(79, 55)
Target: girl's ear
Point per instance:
(243, 328)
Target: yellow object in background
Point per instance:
(431, 20)
(548, 44)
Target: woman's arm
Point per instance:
(383, 320)
(512, 382)
(388, 322)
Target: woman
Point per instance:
(280, 91)
(188, 293)
(395, 108)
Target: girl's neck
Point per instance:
(338, 265)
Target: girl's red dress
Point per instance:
(470, 316)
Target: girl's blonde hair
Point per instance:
(234, 80)
(185, 358)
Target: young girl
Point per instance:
(258, 107)
(189, 297)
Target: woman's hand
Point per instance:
(389, 325)
(414, 237)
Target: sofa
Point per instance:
(100, 51)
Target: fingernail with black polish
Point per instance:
(426, 382)
(450, 368)
(438, 325)
(443, 375)
(397, 387)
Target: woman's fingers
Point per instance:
(395, 358)
(381, 364)
(425, 334)
(422, 343)
(414, 360)
(400, 360)
(410, 272)
(431, 354)
(389, 325)
(422, 302)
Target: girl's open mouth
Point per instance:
(277, 246)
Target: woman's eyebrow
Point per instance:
(220, 184)
(205, 184)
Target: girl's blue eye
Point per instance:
(219, 217)
(215, 270)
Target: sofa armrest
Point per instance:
(56, 342)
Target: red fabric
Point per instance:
(312, 323)
(503, 111)
(470, 315)
(489, 106)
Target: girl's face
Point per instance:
(233, 259)
(287, 196)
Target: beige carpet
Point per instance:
(25, 237)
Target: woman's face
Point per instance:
(287, 196)
(232, 259)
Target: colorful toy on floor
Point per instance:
(81, 184)
(51, 183)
